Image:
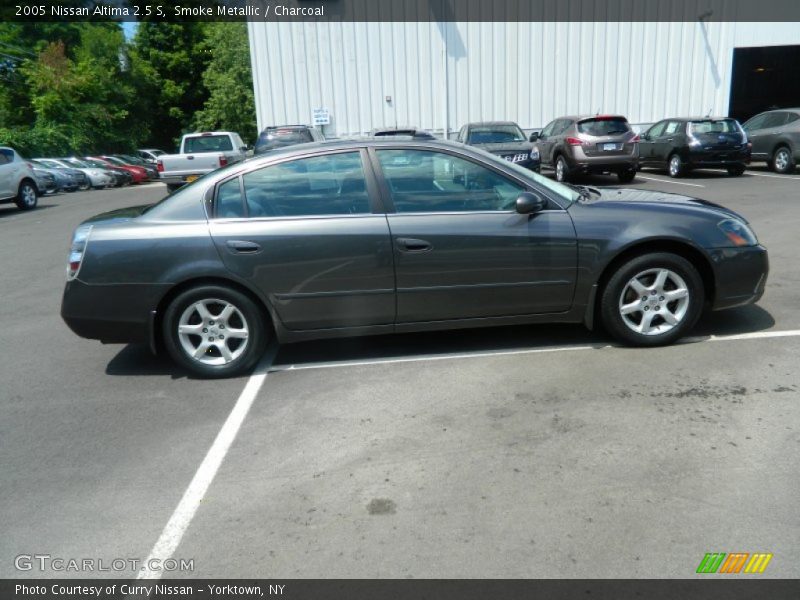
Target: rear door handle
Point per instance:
(413, 245)
(243, 247)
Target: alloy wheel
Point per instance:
(560, 169)
(782, 160)
(213, 332)
(654, 301)
(28, 195)
(674, 165)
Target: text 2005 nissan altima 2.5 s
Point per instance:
(352, 238)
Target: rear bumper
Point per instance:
(582, 163)
(717, 159)
(113, 314)
(740, 275)
(177, 179)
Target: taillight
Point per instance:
(635, 140)
(160, 166)
(77, 250)
(223, 161)
(572, 141)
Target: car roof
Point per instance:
(490, 123)
(361, 142)
(271, 127)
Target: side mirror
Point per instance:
(529, 203)
(645, 137)
(534, 136)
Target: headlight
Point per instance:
(738, 232)
(535, 154)
(79, 240)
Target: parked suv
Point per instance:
(589, 144)
(680, 145)
(17, 181)
(286, 135)
(503, 138)
(775, 136)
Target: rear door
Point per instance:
(765, 138)
(460, 248)
(310, 234)
(6, 173)
(545, 143)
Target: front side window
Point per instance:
(548, 129)
(657, 129)
(332, 184)
(672, 127)
(425, 181)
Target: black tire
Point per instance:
(612, 297)
(736, 170)
(626, 176)
(561, 166)
(173, 187)
(27, 196)
(85, 186)
(249, 313)
(675, 166)
(782, 161)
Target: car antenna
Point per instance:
(708, 114)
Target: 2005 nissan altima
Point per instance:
(354, 238)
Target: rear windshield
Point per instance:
(277, 138)
(714, 126)
(496, 134)
(604, 126)
(207, 143)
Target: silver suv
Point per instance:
(589, 144)
(775, 136)
(17, 181)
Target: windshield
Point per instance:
(95, 163)
(114, 160)
(48, 163)
(601, 126)
(495, 134)
(566, 194)
(77, 163)
(711, 126)
(277, 138)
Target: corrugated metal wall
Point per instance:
(525, 72)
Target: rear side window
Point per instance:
(230, 204)
(792, 118)
(333, 184)
(207, 143)
(277, 138)
(603, 126)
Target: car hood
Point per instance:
(634, 196)
(506, 147)
(119, 215)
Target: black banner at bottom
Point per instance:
(733, 588)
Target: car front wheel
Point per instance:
(562, 170)
(736, 170)
(652, 300)
(27, 197)
(214, 331)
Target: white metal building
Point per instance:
(440, 75)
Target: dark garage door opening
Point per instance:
(764, 78)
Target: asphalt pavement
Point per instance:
(514, 452)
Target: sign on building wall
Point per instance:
(321, 116)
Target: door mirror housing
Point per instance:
(534, 136)
(645, 137)
(529, 203)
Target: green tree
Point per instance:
(229, 81)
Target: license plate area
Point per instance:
(608, 147)
(191, 178)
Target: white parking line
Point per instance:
(184, 513)
(760, 174)
(521, 351)
(669, 181)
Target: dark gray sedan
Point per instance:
(364, 237)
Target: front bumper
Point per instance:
(740, 275)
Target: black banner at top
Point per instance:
(402, 10)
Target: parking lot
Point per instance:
(529, 452)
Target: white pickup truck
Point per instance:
(200, 153)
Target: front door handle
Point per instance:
(413, 245)
(243, 247)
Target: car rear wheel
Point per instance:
(675, 166)
(562, 169)
(783, 162)
(652, 300)
(626, 176)
(27, 197)
(214, 331)
(736, 170)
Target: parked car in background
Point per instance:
(414, 132)
(362, 237)
(17, 181)
(121, 176)
(200, 153)
(503, 138)
(589, 144)
(150, 154)
(680, 145)
(96, 177)
(775, 136)
(75, 179)
(152, 171)
(138, 174)
(45, 180)
(63, 182)
(281, 136)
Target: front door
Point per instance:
(308, 233)
(460, 248)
